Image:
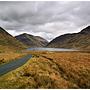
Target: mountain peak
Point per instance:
(1, 29)
(25, 34)
(88, 27)
(86, 30)
(31, 40)
(9, 42)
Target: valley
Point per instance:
(44, 45)
(47, 68)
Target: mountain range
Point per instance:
(23, 41)
(80, 40)
(31, 40)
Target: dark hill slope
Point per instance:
(32, 41)
(8, 42)
(79, 40)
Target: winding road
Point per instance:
(19, 62)
(13, 64)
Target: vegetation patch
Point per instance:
(54, 70)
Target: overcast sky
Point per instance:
(46, 19)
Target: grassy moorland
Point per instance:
(51, 70)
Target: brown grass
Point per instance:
(9, 56)
(51, 70)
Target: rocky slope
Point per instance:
(8, 42)
(32, 41)
(79, 40)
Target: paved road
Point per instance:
(13, 64)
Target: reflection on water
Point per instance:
(52, 49)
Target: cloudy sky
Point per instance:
(46, 19)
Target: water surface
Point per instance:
(51, 49)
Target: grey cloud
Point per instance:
(47, 19)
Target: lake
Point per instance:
(51, 49)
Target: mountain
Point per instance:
(80, 40)
(8, 42)
(31, 40)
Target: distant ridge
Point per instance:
(31, 40)
(79, 40)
